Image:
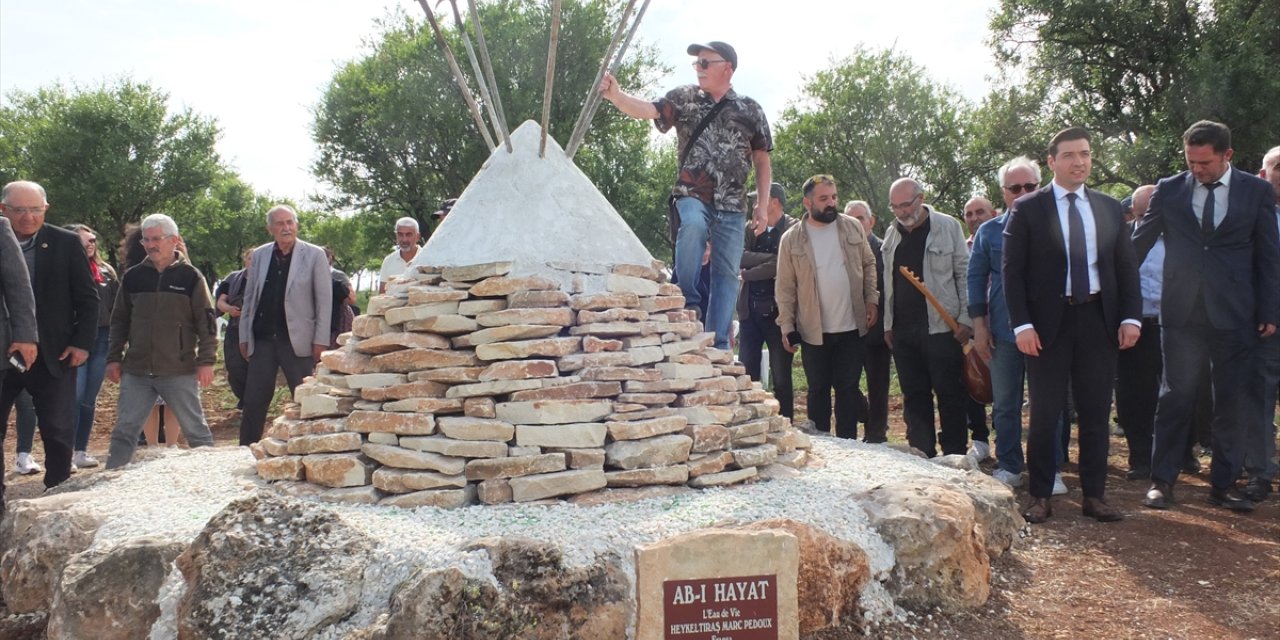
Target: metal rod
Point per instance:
(488, 67)
(457, 77)
(579, 127)
(551, 76)
(574, 143)
(475, 64)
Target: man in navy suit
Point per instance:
(1221, 296)
(1071, 285)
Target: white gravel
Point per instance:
(176, 493)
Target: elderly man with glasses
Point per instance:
(721, 135)
(927, 353)
(163, 301)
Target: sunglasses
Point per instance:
(704, 63)
(1015, 189)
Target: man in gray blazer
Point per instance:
(17, 304)
(284, 321)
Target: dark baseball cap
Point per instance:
(445, 207)
(775, 191)
(721, 48)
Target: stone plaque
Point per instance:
(741, 608)
(718, 584)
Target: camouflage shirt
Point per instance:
(715, 170)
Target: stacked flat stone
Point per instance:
(468, 384)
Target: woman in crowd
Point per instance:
(89, 376)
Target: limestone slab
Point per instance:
(672, 371)
(388, 342)
(506, 285)
(638, 429)
(406, 481)
(365, 380)
(571, 391)
(325, 443)
(582, 458)
(338, 469)
(548, 485)
(466, 428)
(445, 325)
(455, 448)
(476, 307)
(425, 405)
(381, 437)
(675, 474)
(602, 301)
(619, 283)
(618, 374)
(757, 456)
(489, 468)
(346, 361)
(391, 423)
(580, 435)
(708, 463)
(553, 411)
(421, 311)
(448, 375)
(578, 361)
(418, 359)
(660, 386)
(504, 333)
(560, 317)
(274, 446)
(281, 468)
(380, 304)
(662, 303)
(748, 429)
(520, 370)
(723, 478)
(402, 458)
(473, 272)
(491, 388)
(441, 498)
(537, 300)
(350, 495)
(646, 355)
(494, 491)
(365, 326)
(615, 329)
(547, 348)
(418, 389)
(657, 399)
(612, 315)
(479, 407)
(709, 437)
(660, 451)
(322, 405)
(426, 294)
(707, 415)
(592, 344)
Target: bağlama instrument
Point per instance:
(976, 374)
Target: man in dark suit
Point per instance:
(66, 318)
(1221, 295)
(1071, 284)
(17, 305)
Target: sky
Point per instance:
(260, 66)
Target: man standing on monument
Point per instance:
(721, 135)
(396, 262)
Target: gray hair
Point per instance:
(165, 223)
(18, 184)
(407, 222)
(857, 203)
(1020, 162)
(1272, 159)
(281, 207)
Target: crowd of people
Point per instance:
(1062, 294)
(1167, 302)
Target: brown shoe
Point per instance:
(1037, 511)
(1099, 510)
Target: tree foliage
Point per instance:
(107, 156)
(870, 119)
(395, 137)
(1139, 72)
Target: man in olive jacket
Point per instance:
(164, 313)
(827, 300)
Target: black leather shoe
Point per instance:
(1138, 473)
(1231, 498)
(1037, 511)
(1159, 496)
(1191, 466)
(1257, 489)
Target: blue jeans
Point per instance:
(725, 230)
(1007, 372)
(88, 383)
(1260, 434)
(138, 395)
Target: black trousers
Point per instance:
(834, 366)
(976, 414)
(269, 355)
(876, 363)
(237, 367)
(930, 365)
(758, 330)
(1082, 355)
(54, 400)
(1137, 389)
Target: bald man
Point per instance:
(1260, 433)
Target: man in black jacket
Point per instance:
(757, 310)
(66, 318)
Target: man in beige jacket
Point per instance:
(827, 300)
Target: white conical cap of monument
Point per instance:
(532, 211)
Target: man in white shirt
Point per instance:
(396, 262)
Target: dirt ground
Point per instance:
(1195, 571)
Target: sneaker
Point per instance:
(83, 460)
(1059, 487)
(1008, 478)
(26, 465)
(979, 450)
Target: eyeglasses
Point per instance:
(1015, 189)
(901, 206)
(26, 211)
(705, 63)
(145, 240)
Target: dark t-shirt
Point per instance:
(270, 321)
(910, 309)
